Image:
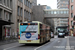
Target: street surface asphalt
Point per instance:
(55, 44)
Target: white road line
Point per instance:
(9, 48)
(58, 41)
(41, 46)
(68, 45)
(55, 37)
(65, 37)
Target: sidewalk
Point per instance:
(8, 41)
(72, 41)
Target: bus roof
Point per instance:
(35, 22)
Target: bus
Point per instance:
(33, 32)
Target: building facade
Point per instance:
(72, 16)
(22, 11)
(38, 15)
(6, 12)
(62, 4)
(60, 17)
(15, 11)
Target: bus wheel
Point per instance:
(48, 40)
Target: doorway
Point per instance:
(0, 32)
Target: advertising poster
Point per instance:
(29, 32)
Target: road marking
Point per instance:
(68, 45)
(55, 37)
(58, 41)
(65, 37)
(41, 46)
(9, 48)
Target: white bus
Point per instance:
(34, 32)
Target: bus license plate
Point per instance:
(28, 40)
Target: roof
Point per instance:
(36, 22)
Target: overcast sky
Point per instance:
(51, 3)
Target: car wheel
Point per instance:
(53, 36)
(58, 36)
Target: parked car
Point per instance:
(52, 35)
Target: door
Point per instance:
(0, 32)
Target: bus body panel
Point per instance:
(43, 37)
(33, 41)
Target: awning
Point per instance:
(2, 22)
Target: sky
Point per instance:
(51, 3)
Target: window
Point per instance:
(72, 23)
(48, 12)
(8, 3)
(24, 13)
(18, 10)
(55, 12)
(29, 4)
(71, 15)
(63, 18)
(25, 2)
(71, 7)
(72, 0)
(9, 16)
(61, 12)
(4, 1)
(51, 12)
(58, 12)
(6, 14)
(29, 16)
(20, 20)
(66, 5)
(64, 21)
(0, 13)
(21, 0)
(62, 5)
(64, 12)
(67, 12)
(21, 12)
(0, 1)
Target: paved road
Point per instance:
(72, 43)
(55, 44)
